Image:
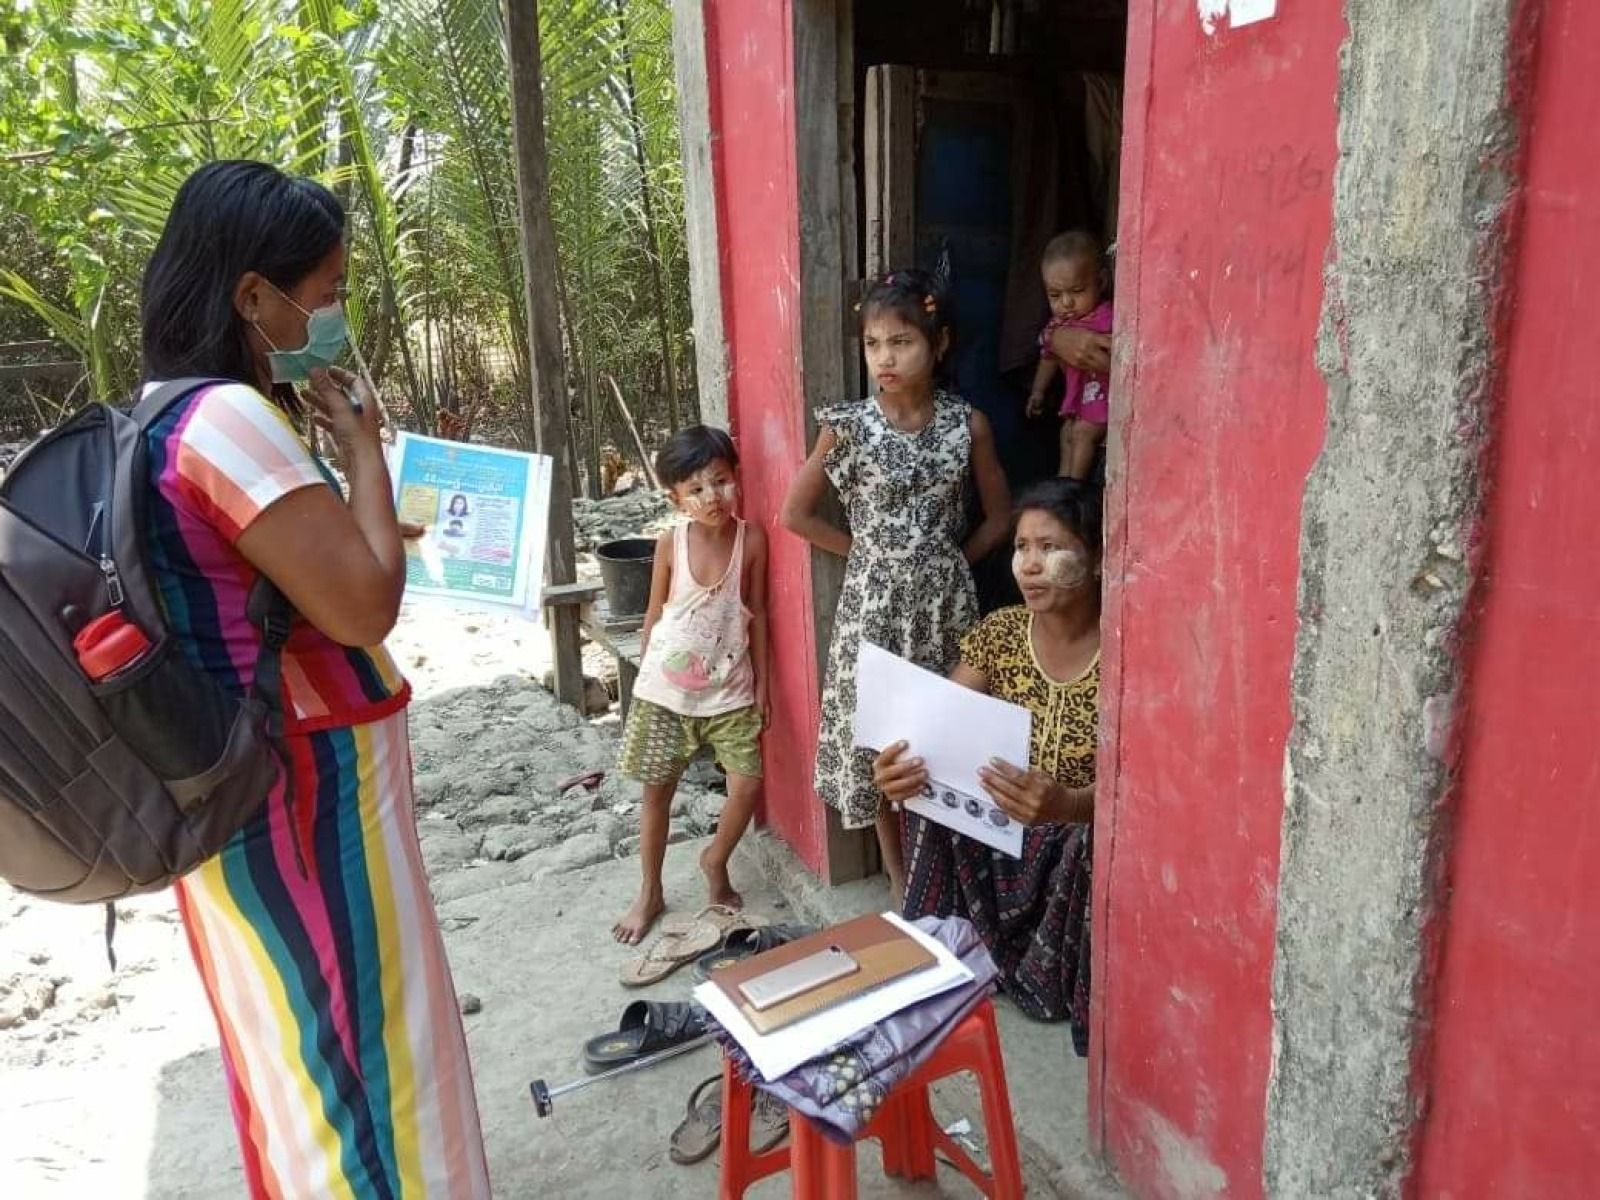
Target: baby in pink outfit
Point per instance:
(1073, 267)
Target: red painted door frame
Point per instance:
(749, 47)
(1228, 154)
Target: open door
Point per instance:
(969, 174)
(945, 151)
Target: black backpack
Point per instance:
(114, 787)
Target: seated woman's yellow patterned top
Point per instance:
(1066, 715)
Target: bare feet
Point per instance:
(637, 921)
(718, 884)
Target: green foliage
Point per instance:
(403, 108)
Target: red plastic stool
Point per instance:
(905, 1125)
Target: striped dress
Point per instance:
(313, 930)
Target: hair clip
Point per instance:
(930, 304)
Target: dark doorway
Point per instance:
(986, 128)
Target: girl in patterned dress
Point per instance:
(1032, 912)
(901, 462)
(313, 930)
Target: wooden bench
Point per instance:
(622, 637)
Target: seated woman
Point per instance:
(1032, 912)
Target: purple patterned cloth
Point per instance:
(843, 1088)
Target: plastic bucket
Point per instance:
(625, 569)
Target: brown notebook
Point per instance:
(883, 952)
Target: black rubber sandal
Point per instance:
(647, 1027)
(744, 943)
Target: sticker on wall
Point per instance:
(1239, 13)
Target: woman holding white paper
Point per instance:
(1032, 912)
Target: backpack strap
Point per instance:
(154, 406)
(269, 610)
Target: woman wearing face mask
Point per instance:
(313, 929)
(1032, 912)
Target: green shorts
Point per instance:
(658, 744)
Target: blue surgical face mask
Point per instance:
(326, 336)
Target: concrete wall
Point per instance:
(1388, 555)
(695, 79)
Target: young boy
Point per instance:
(703, 674)
(1074, 273)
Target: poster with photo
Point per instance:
(486, 511)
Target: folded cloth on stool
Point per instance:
(842, 1089)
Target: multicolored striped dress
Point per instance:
(314, 930)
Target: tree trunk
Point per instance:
(547, 367)
(647, 203)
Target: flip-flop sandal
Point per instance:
(719, 916)
(647, 1026)
(682, 941)
(700, 1132)
(769, 1123)
(745, 943)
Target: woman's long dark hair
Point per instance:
(229, 218)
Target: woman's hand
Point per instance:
(1034, 798)
(334, 396)
(895, 775)
(1082, 348)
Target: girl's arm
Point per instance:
(992, 492)
(755, 599)
(660, 589)
(800, 515)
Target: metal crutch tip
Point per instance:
(542, 1103)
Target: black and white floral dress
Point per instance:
(907, 586)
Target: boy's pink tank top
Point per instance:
(698, 661)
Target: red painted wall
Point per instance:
(750, 54)
(1227, 169)
(1514, 1080)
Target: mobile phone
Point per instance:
(798, 978)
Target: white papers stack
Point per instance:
(954, 730)
(777, 1053)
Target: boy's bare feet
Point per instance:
(639, 919)
(719, 886)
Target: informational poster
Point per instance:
(486, 512)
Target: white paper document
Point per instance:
(777, 1053)
(954, 730)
